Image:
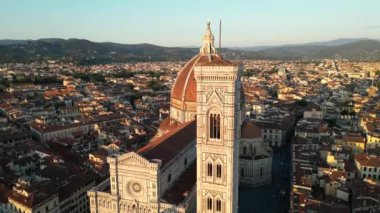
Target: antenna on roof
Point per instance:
(220, 37)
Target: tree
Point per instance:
(97, 78)
(59, 104)
(128, 87)
(249, 73)
(47, 80)
(155, 85)
(123, 74)
(154, 74)
(301, 102)
(331, 122)
(5, 82)
(94, 77)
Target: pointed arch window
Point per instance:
(218, 205)
(209, 204)
(214, 125)
(244, 151)
(209, 169)
(219, 171)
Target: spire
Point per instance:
(208, 42)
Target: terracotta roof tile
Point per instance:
(249, 130)
(216, 60)
(167, 124)
(167, 146)
(366, 160)
(179, 191)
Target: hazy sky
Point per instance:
(182, 22)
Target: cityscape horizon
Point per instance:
(279, 113)
(253, 23)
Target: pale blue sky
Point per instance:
(182, 23)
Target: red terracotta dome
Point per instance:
(185, 86)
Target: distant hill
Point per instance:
(363, 50)
(336, 42)
(83, 51)
(87, 52)
(331, 43)
(11, 41)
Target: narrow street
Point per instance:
(275, 196)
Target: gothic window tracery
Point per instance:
(219, 171)
(214, 125)
(209, 169)
(209, 203)
(218, 205)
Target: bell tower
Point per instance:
(218, 129)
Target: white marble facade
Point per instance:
(209, 133)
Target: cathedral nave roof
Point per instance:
(170, 144)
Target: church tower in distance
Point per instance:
(218, 118)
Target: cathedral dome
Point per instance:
(184, 88)
(184, 91)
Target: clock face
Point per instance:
(134, 188)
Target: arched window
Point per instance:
(219, 171)
(242, 172)
(244, 151)
(169, 177)
(218, 205)
(211, 125)
(209, 204)
(214, 126)
(209, 169)
(185, 162)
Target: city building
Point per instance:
(255, 157)
(368, 166)
(313, 111)
(45, 132)
(192, 164)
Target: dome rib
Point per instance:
(185, 79)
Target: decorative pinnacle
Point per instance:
(208, 41)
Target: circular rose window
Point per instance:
(134, 188)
